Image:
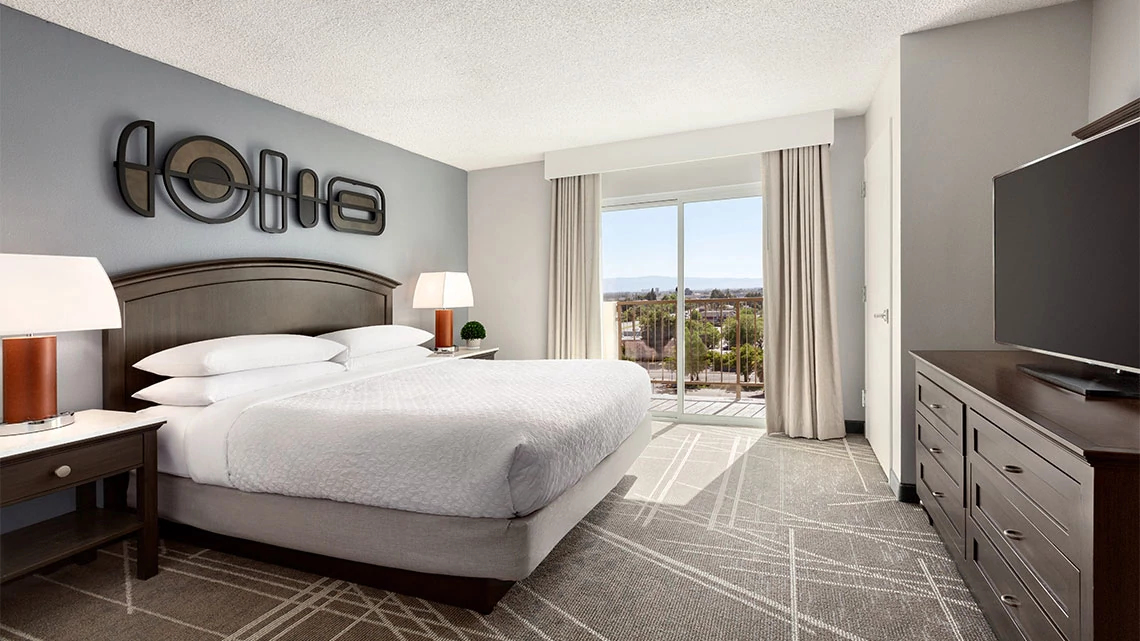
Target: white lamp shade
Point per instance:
(52, 294)
(443, 290)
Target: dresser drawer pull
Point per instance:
(938, 495)
(935, 406)
(1012, 469)
(936, 450)
(1012, 535)
(63, 471)
(1010, 600)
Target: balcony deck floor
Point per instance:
(697, 406)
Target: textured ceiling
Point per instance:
(486, 83)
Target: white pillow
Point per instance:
(391, 359)
(205, 390)
(239, 353)
(362, 341)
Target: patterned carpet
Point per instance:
(715, 533)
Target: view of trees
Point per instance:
(710, 336)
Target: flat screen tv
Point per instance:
(1067, 261)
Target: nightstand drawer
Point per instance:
(45, 474)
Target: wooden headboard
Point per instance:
(181, 304)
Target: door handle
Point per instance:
(884, 316)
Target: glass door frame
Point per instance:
(679, 199)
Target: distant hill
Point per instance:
(669, 283)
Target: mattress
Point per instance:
(472, 438)
(505, 549)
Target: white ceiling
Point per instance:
(494, 82)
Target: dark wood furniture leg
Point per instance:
(115, 492)
(85, 502)
(146, 500)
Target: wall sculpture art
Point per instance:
(209, 181)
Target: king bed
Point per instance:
(444, 479)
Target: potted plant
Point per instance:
(473, 333)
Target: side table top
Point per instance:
(88, 425)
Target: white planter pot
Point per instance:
(475, 343)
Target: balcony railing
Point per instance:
(724, 342)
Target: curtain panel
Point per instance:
(575, 327)
(801, 352)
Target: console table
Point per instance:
(1036, 493)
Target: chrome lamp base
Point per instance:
(28, 427)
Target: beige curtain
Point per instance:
(801, 355)
(575, 324)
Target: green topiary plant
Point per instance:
(473, 331)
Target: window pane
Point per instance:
(724, 290)
(639, 282)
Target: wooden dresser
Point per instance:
(1035, 491)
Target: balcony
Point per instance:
(723, 358)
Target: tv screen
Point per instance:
(1067, 252)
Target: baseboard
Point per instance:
(905, 492)
(855, 427)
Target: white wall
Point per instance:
(847, 201)
(977, 99)
(883, 115)
(1114, 78)
(508, 256)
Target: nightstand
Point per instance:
(99, 445)
(481, 353)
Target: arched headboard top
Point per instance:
(181, 304)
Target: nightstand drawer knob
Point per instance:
(63, 471)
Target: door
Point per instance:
(877, 268)
(639, 284)
(682, 286)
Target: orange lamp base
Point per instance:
(29, 379)
(443, 329)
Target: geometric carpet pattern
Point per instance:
(716, 533)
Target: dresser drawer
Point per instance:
(1042, 568)
(1048, 497)
(42, 475)
(938, 404)
(940, 449)
(1010, 594)
(936, 485)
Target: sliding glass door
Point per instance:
(639, 281)
(682, 279)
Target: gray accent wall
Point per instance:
(977, 99)
(847, 202)
(1114, 78)
(64, 98)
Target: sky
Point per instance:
(722, 240)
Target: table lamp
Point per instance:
(443, 291)
(41, 296)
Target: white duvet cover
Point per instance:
(457, 437)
